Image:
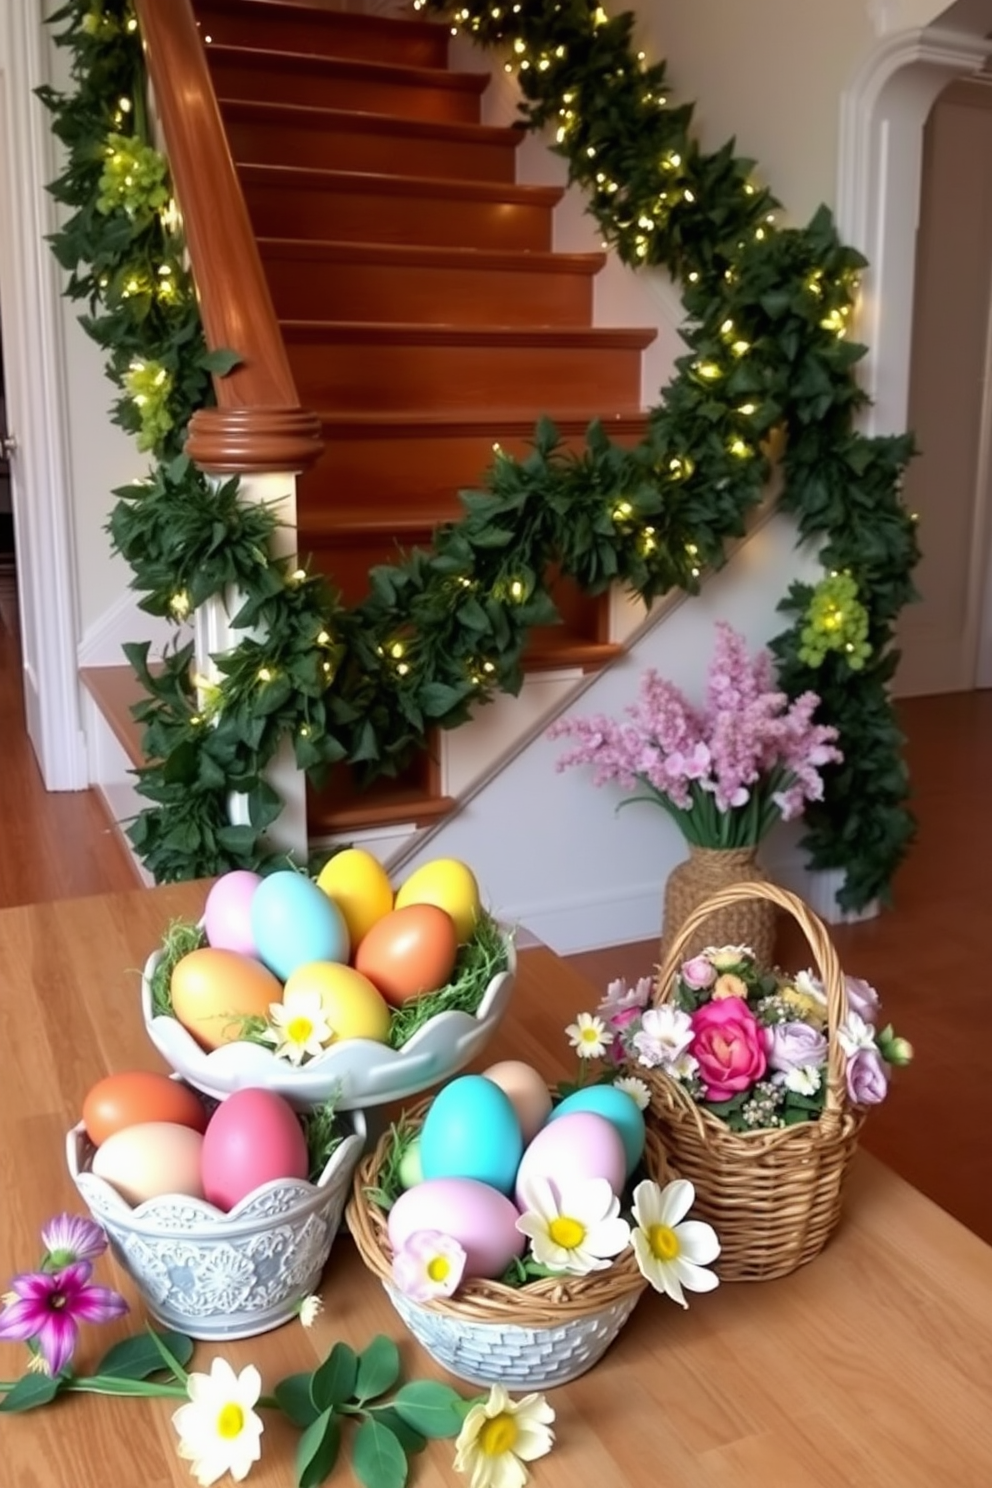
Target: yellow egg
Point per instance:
(213, 991)
(360, 887)
(351, 1005)
(451, 885)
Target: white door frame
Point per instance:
(37, 406)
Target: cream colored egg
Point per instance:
(527, 1091)
(154, 1158)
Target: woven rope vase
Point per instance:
(773, 1196)
(741, 921)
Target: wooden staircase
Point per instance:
(425, 313)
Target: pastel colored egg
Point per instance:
(528, 1091)
(294, 922)
(618, 1107)
(480, 1218)
(214, 991)
(227, 912)
(353, 1007)
(253, 1137)
(451, 885)
(360, 887)
(155, 1158)
(135, 1097)
(409, 952)
(471, 1131)
(580, 1146)
(410, 1171)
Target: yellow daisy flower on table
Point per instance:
(499, 1435)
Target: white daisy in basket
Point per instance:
(673, 1252)
(636, 1089)
(579, 1233)
(430, 1264)
(589, 1036)
(219, 1431)
(298, 1027)
(499, 1435)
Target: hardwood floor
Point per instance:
(926, 955)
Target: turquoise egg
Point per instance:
(293, 923)
(617, 1107)
(471, 1131)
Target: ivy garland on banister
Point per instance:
(767, 362)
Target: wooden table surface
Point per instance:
(871, 1366)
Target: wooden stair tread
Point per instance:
(115, 689)
(308, 177)
(345, 332)
(469, 84)
(552, 648)
(311, 116)
(380, 806)
(413, 255)
(315, 15)
(509, 422)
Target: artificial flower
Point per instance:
(636, 1089)
(855, 1034)
(663, 1037)
(219, 1430)
(71, 1237)
(803, 1079)
(430, 1264)
(620, 998)
(862, 998)
(894, 1050)
(728, 985)
(47, 1308)
(298, 1026)
(673, 1252)
(728, 1046)
(499, 1435)
(698, 972)
(722, 958)
(792, 1046)
(579, 1233)
(310, 1309)
(589, 1036)
(867, 1077)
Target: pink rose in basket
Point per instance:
(698, 973)
(728, 1044)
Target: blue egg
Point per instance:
(472, 1131)
(293, 922)
(617, 1107)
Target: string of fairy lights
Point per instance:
(769, 364)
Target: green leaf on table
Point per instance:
(377, 1458)
(139, 1357)
(409, 1439)
(378, 1368)
(334, 1382)
(317, 1450)
(295, 1400)
(430, 1407)
(30, 1391)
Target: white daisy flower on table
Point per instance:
(579, 1233)
(298, 1027)
(311, 1307)
(589, 1036)
(636, 1089)
(219, 1430)
(430, 1264)
(673, 1252)
(499, 1435)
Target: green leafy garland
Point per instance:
(444, 630)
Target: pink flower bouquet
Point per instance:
(725, 772)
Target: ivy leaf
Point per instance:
(378, 1368)
(378, 1459)
(409, 1439)
(433, 1409)
(220, 362)
(31, 1391)
(317, 1450)
(295, 1399)
(334, 1382)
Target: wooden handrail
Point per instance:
(258, 424)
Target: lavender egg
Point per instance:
(227, 915)
(480, 1218)
(573, 1149)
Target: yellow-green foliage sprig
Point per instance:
(134, 178)
(835, 620)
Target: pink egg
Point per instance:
(227, 915)
(573, 1149)
(480, 1218)
(253, 1137)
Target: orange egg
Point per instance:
(408, 952)
(214, 991)
(136, 1097)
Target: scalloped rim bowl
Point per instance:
(357, 1072)
(217, 1276)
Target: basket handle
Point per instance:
(824, 956)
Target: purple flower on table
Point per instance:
(47, 1308)
(867, 1077)
(792, 1046)
(862, 998)
(71, 1237)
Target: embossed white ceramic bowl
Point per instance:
(215, 1275)
(355, 1072)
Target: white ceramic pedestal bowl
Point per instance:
(355, 1073)
(214, 1275)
